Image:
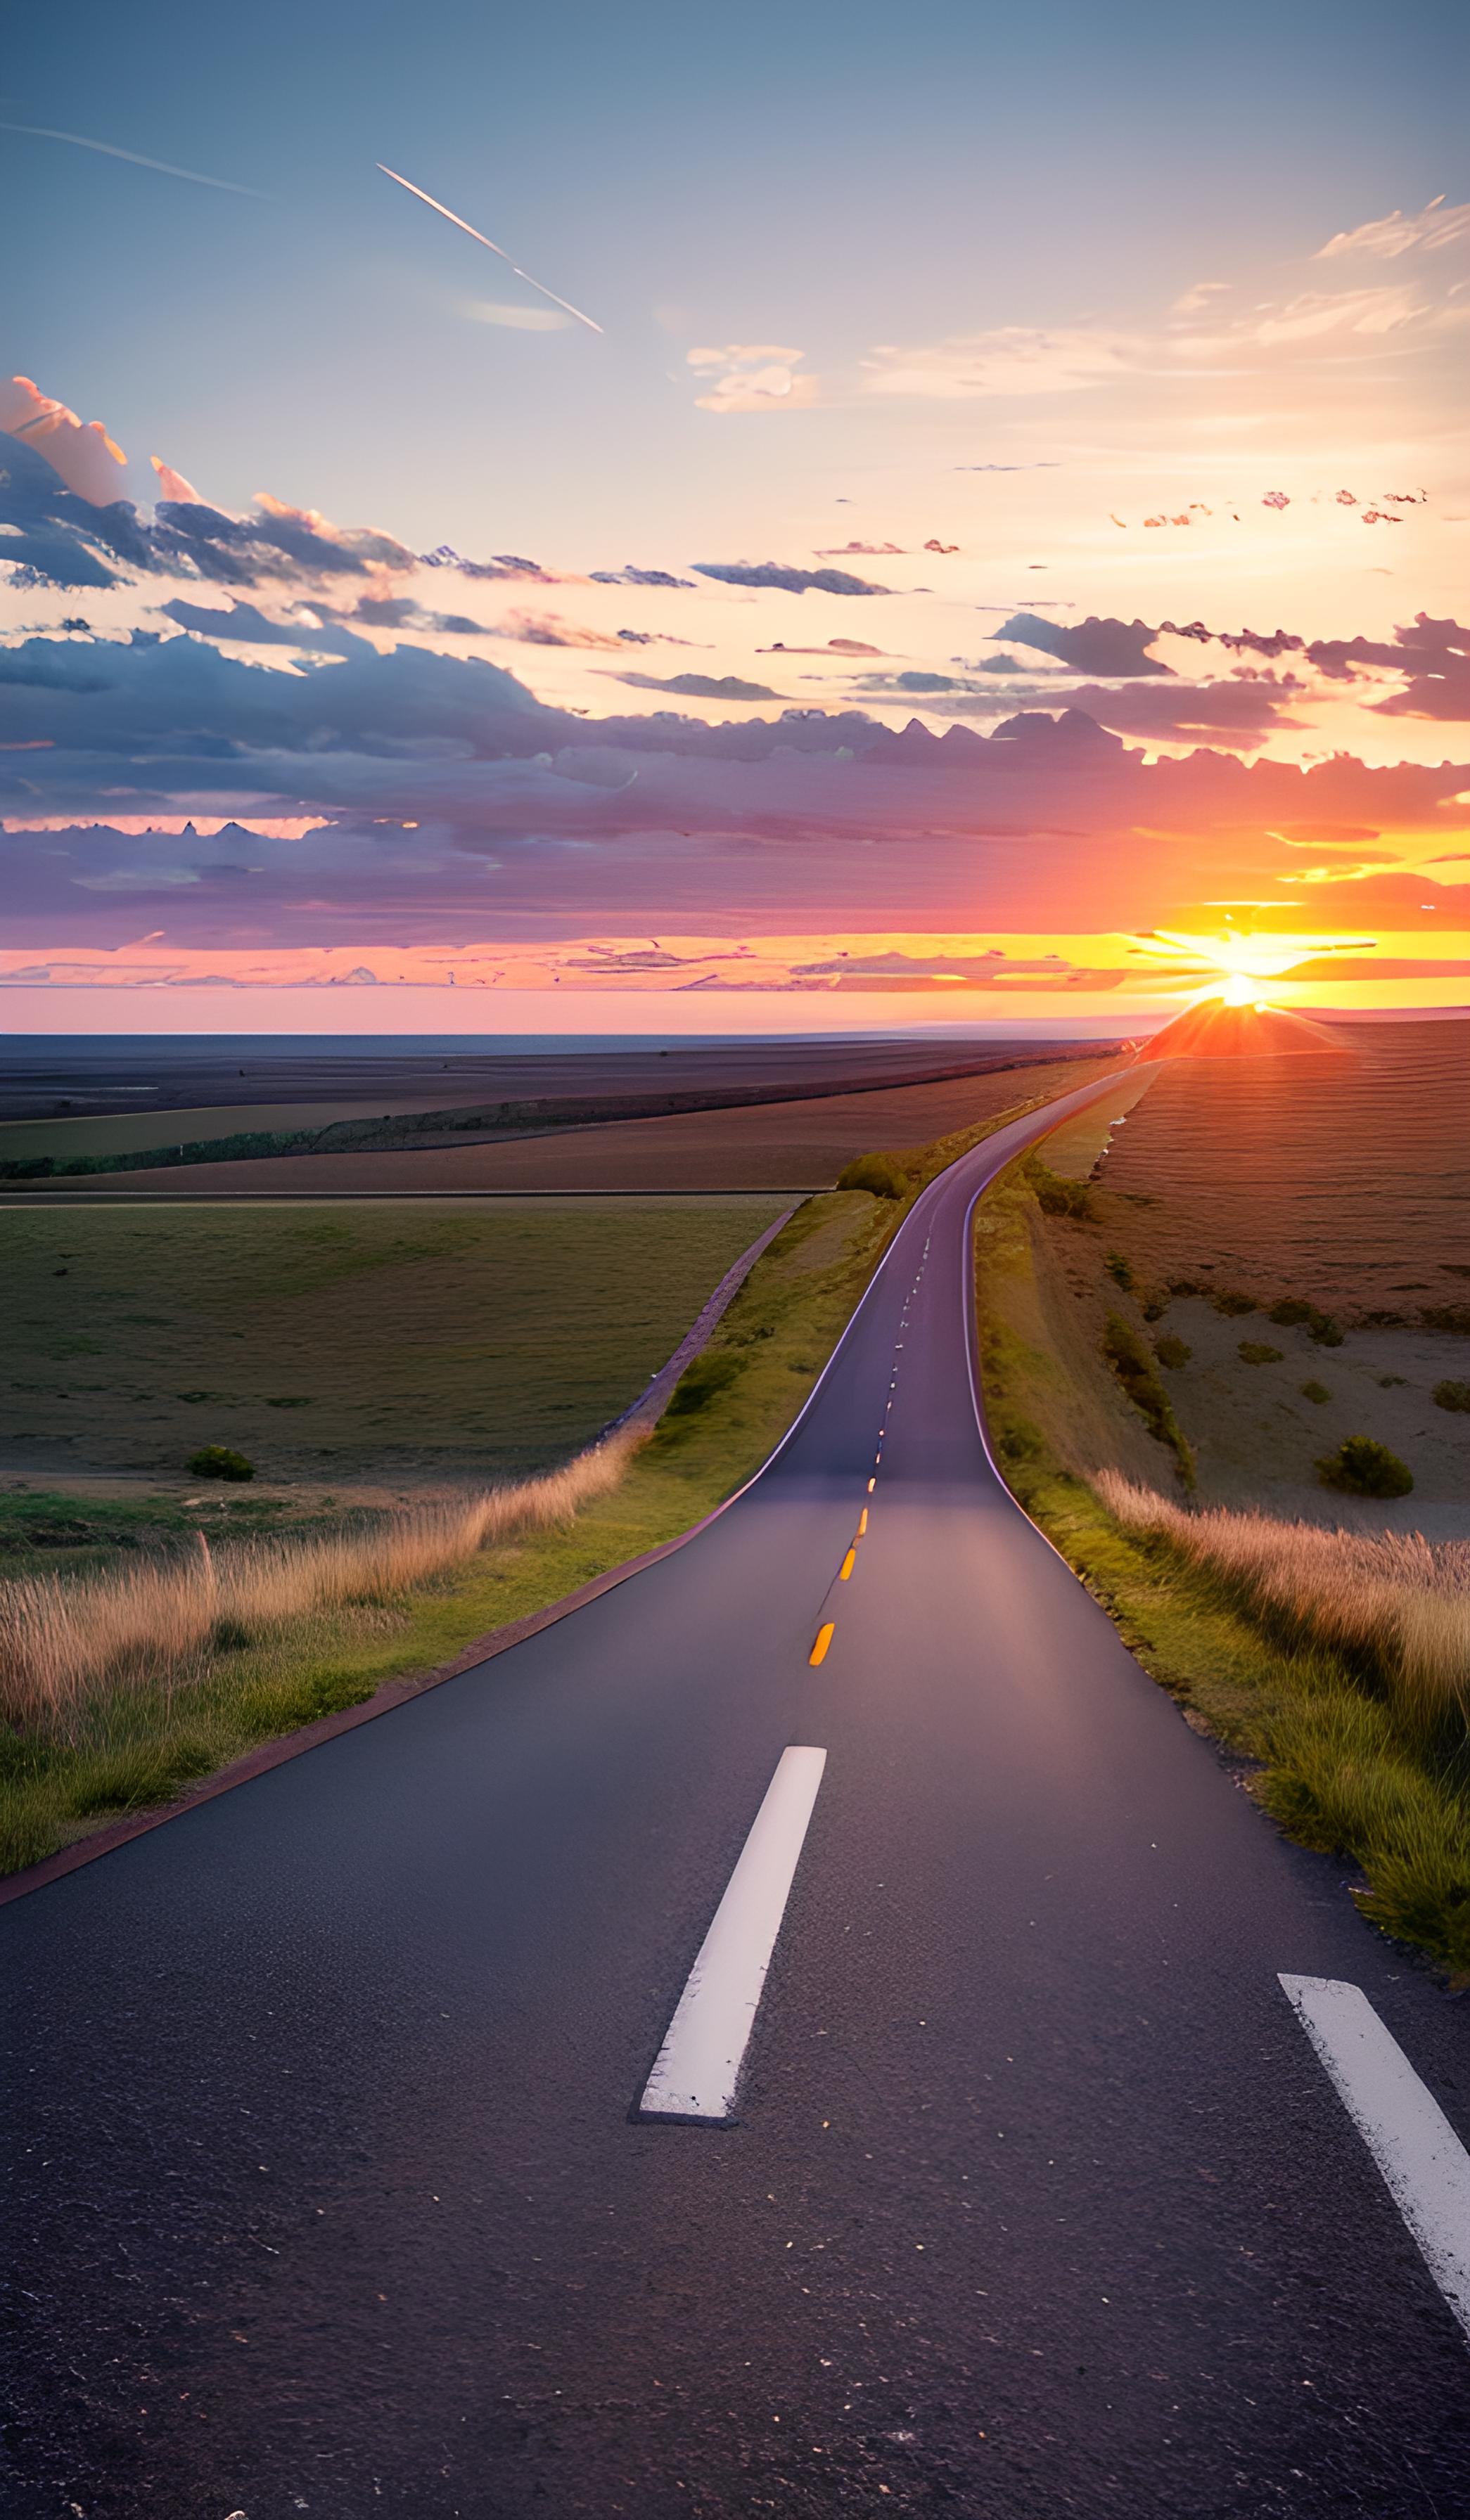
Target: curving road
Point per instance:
(334, 2194)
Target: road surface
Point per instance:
(1039, 2200)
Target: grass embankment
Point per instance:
(1341, 1663)
(125, 1685)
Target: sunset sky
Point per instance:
(999, 562)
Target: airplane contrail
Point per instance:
(564, 304)
(35, 131)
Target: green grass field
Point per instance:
(346, 1345)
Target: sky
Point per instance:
(968, 521)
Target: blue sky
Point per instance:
(1081, 390)
(815, 175)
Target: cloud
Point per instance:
(549, 630)
(81, 451)
(630, 576)
(863, 551)
(832, 648)
(505, 564)
(702, 687)
(1437, 225)
(156, 165)
(439, 798)
(1096, 645)
(1196, 300)
(518, 319)
(173, 484)
(790, 581)
(751, 376)
(57, 479)
(57, 536)
(913, 684)
(1316, 314)
(1202, 331)
(1048, 463)
(1240, 715)
(248, 627)
(1013, 360)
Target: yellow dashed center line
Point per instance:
(846, 1566)
(825, 1636)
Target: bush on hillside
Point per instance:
(1451, 1395)
(880, 1174)
(1172, 1351)
(1057, 1193)
(697, 1385)
(1362, 1466)
(1133, 1366)
(1294, 1310)
(217, 1462)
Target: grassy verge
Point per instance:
(1347, 1761)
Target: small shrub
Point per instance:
(1256, 1352)
(217, 1462)
(697, 1385)
(1020, 1439)
(1451, 1395)
(1393, 1382)
(1154, 1305)
(1133, 1366)
(1294, 1311)
(1120, 1271)
(1362, 1466)
(1316, 1391)
(1230, 1300)
(1055, 1193)
(1172, 1351)
(883, 1175)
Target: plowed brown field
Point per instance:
(1344, 1180)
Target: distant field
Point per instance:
(346, 1345)
(1344, 1180)
(121, 1132)
(770, 1145)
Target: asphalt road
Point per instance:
(333, 2195)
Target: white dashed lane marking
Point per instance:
(1425, 2166)
(698, 2068)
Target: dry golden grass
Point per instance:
(61, 1641)
(1395, 1602)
